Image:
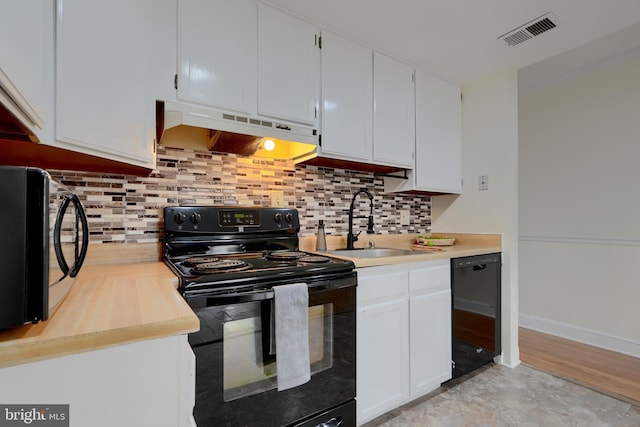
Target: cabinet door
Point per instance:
(393, 112)
(217, 48)
(347, 99)
(382, 371)
(382, 344)
(123, 380)
(102, 102)
(438, 135)
(289, 67)
(23, 30)
(430, 326)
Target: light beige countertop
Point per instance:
(125, 294)
(108, 305)
(465, 245)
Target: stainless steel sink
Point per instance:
(373, 252)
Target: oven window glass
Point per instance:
(249, 364)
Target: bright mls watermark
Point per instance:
(34, 415)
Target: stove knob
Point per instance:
(278, 217)
(288, 217)
(179, 218)
(195, 218)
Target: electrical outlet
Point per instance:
(404, 217)
(483, 182)
(277, 198)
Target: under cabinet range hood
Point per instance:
(230, 133)
(18, 121)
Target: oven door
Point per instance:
(236, 378)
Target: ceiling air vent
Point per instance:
(530, 30)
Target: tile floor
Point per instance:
(522, 397)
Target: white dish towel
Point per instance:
(292, 335)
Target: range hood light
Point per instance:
(269, 145)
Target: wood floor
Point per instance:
(608, 372)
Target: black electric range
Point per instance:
(228, 261)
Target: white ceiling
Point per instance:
(457, 40)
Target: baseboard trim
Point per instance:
(586, 336)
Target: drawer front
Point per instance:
(381, 287)
(430, 279)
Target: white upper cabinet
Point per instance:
(347, 99)
(24, 27)
(217, 53)
(438, 139)
(162, 52)
(288, 67)
(393, 112)
(104, 63)
(438, 135)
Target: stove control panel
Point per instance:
(210, 219)
(239, 218)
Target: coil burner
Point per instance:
(285, 255)
(314, 259)
(193, 261)
(225, 265)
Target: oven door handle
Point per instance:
(236, 297)
(208, 297)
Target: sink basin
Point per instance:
(372, 253)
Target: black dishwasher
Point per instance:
(475, 282)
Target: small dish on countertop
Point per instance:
(435, 241)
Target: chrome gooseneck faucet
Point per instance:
(350, 237)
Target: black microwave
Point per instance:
(44, 238)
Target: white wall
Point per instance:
(579, 189)
(490, 147)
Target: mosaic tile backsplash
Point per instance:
(128, 209)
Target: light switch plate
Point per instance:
(277, 198)
(483, 182)
(404, 217)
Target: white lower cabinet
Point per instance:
(148, 383)
(382, 347)
(403, 334)
(430, 328)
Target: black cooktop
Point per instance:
(200, 272)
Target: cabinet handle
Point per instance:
(175, 81)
